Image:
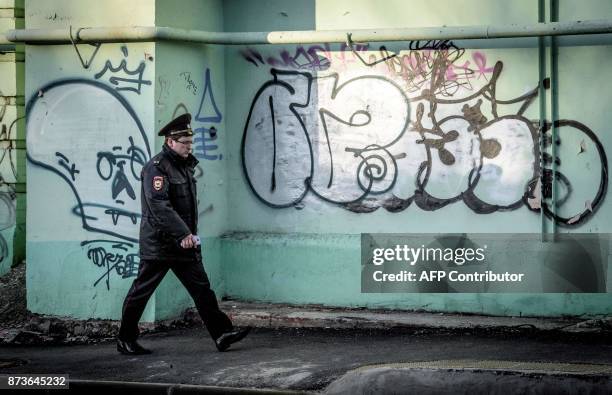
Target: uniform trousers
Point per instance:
(193, 277)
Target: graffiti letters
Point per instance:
(112, 256)
(413, 66)
(115, 80)
(313, 58)
(191, 86)
(363, 143)
(301, 59)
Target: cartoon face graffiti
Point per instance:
(88, 134)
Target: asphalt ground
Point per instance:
(310, 359)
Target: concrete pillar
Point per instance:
(90, 128)
(12, 142)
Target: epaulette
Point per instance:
(161, 163)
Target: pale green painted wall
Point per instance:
(58, 264)
(12, 145)
(341, 14)
(181, 85)
(80, 119)
(325, 269)
(310, 253)
(318, 216)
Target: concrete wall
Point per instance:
(310, 119)
(12, 143)
(89, 130)
(315, 144)
(191, 78)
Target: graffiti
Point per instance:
(8, 175)
(113, 162)
(434, 45)
(114, 80)
(118, 260)
(207, 103)
(548, 174)
(205, 137)
(320, 161)
(7, 220)
(191, 86)
(179, 109)
(164, 91)
(107, 148)
(301, 59)
(65, 163)
(7, 145)
(313, 58)
(103, 183)
(414, 66)
(204, 143)
(355, 143)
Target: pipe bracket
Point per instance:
(350, 42)
(84, 63)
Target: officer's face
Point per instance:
(182, 145)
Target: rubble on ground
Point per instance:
(18, 326)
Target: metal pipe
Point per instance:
(7, 48)
(542, 123)
(554, 113)
(147, 34)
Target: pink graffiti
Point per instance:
(481, 62)
(313, 58)
(415, 67)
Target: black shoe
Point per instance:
(131, 348)
(228, 338)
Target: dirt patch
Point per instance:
(13, 298)
(18, 326)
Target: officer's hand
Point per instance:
(188, 242)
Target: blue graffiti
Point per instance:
(208, 94)
(204, 146)
(206, 136)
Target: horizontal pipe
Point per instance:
(148, 34)
(7, 48)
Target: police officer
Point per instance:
(168, 241)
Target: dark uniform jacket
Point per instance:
(169, 207)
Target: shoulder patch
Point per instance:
(158, 183)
